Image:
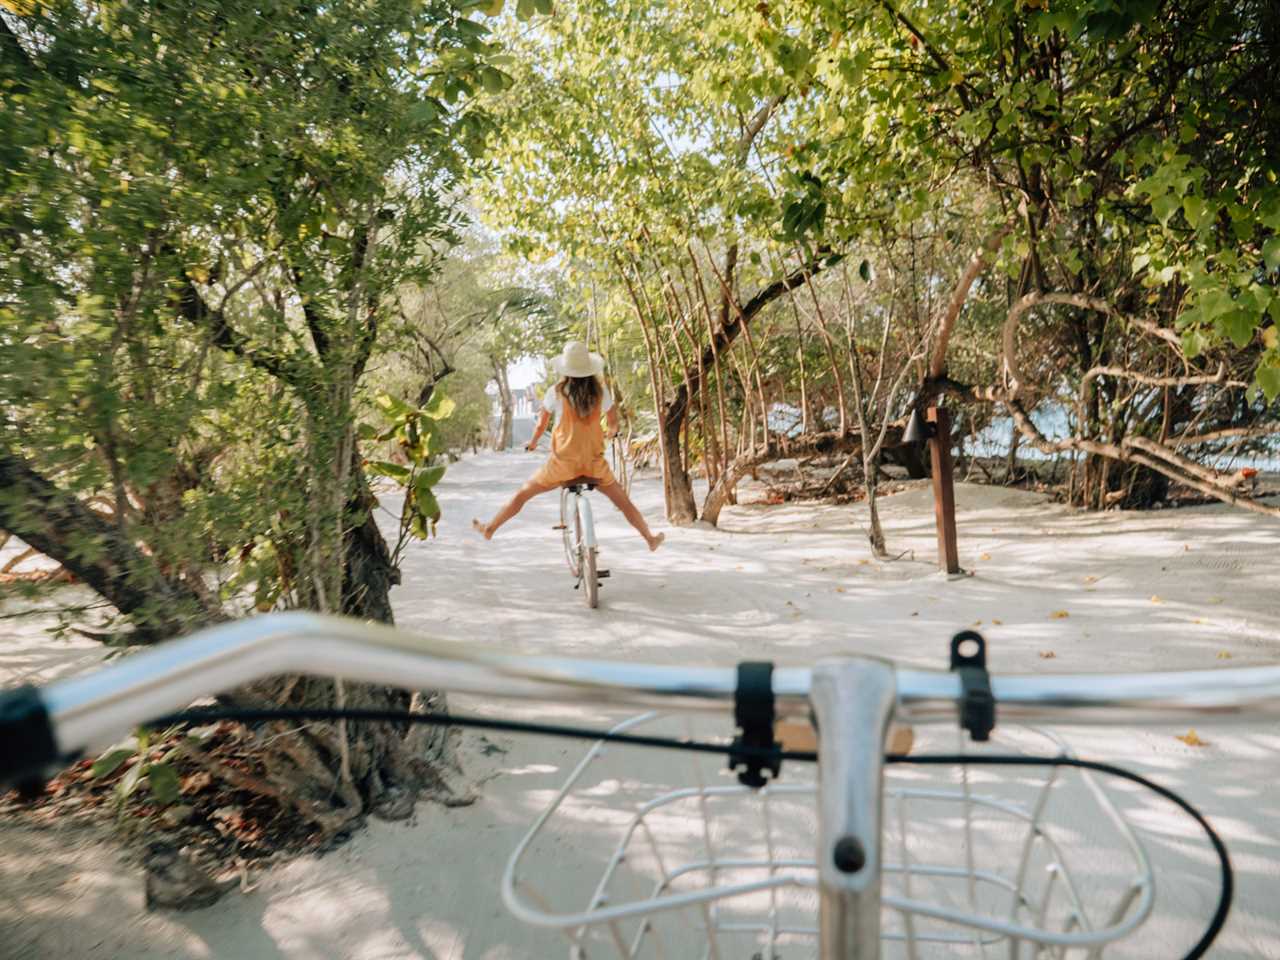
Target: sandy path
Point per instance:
(1141, 591)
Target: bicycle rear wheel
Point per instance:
(570, 531)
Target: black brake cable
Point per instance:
(206, 715)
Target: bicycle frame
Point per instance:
(853, 700)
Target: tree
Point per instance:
(1101, 142)
(204, 213)
(655, 185)
(1081, 154)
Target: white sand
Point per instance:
(1158, 590)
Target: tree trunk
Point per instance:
(98, 553)
(388, 761)
(369, 571)
(502, 437)
(1011, 461)
(330, 775)
(876, 534)
(677, 485)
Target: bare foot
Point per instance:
(656, 542)
(484, 531)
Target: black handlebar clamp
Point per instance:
(754, 750)
(977, 704)
(27, 745)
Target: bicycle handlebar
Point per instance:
(89, 711)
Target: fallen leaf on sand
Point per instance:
(997, 622)
(1224, 654)
(1192, 740)
(863, 563)
(839, 589)
(1059, 615)
(1215, 600)
(1047, 655)
(1091, 579)
(1156, 599)
(984, 556)
(915, 613)
(195, 782)
(977, 623)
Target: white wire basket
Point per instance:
(647, 853)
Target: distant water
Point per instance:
(993, 440)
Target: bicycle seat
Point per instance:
(578, 482)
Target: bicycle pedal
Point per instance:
(602, 574)
(560, 526)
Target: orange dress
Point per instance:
(577, 448)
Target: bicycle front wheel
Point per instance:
(590, 582)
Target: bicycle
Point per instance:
(851, 702)
(578, 530)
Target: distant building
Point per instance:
(527, 403)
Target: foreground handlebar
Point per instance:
(78, 714)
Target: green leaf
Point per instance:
(111, 761)
(423, 112)
(385, 468)
(525, 9)
(1165, 207)
(469, 28)
(439, 407)
(1197, 211)
(419, 526)
(129, 782)
(428, 478)
(1193, 344)
(427, 505)
(1271, 253)
(864, 271)
(1215, 303)
(163, 780)
(542, 6)
(492, 8)
(493, 81)
(1239, 326)
(1269, 380)
(393, 406)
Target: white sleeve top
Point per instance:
(553, 403)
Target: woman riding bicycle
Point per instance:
(577, 442)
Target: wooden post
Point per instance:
(944, 494)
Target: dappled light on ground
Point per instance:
(793, 582)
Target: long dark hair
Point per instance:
(583, 392)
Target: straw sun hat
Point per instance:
(577, 361)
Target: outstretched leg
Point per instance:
(620, 500)
(512, 507)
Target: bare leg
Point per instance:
(512, 507)
(620, 500)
